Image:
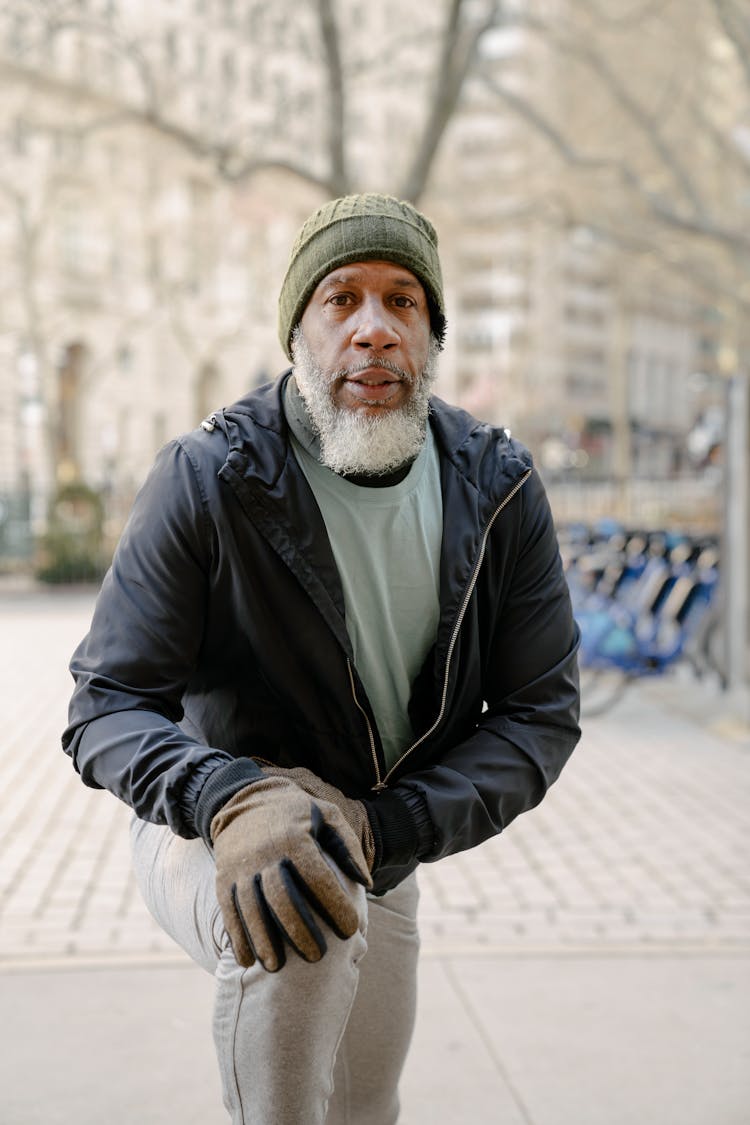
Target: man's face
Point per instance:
(364, 361)
(365, 312)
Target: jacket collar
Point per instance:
(485, 456)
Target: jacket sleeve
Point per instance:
(131, 669)
(529, 726)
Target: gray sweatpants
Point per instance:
(312, 1043)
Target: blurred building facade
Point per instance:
(600, 363)
(139, 287)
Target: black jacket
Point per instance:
(219, 633)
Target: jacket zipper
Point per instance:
(382, 783)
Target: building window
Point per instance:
(72, 239)
(206, 390)
(229, 69)
(584, 314)
(200, 57)
(171, 47)
(20, 137)
(17, 35)
(124, 357)
(588, 356)
(159, 429)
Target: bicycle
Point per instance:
(641, 601)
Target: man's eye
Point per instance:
(340, 299)
(403, 302)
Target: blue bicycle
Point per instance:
(643, 602)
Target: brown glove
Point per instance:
(269, 843)
(354, 811)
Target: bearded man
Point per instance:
(335, 643)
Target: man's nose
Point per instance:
(375, 327)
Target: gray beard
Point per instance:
(352, 443)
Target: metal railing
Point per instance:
(688, 503)
(684, 503)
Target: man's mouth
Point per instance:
(373, 385)
(373, 379)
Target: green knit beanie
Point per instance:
(358, 228)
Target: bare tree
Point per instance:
(652, 144)
(79, 75)
(313, 106)
(642, 121)
(648, 137)
(641, 64)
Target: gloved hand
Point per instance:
(269, 842)
(354, 811)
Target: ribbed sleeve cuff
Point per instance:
(220, 785)
(394, 830)
(417, 806)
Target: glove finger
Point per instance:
(291, 912)
(234, 924)
(269, 943)
(252, 929)
(247, 946)
(325, 892)
(332, 842)
(342, 918)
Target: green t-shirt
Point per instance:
(386, 543)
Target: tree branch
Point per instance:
(457, 54)
(128, 48)
(225, 157)
(644, 120)
(329, 33)
(635, 18)
(234, 172)
(702, 227)
(731, 21)
(684, 266)
(712, 284)
(727, 149)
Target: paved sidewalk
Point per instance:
(589, 967)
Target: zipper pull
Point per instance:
(209, 424)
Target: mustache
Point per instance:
(367, 364)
